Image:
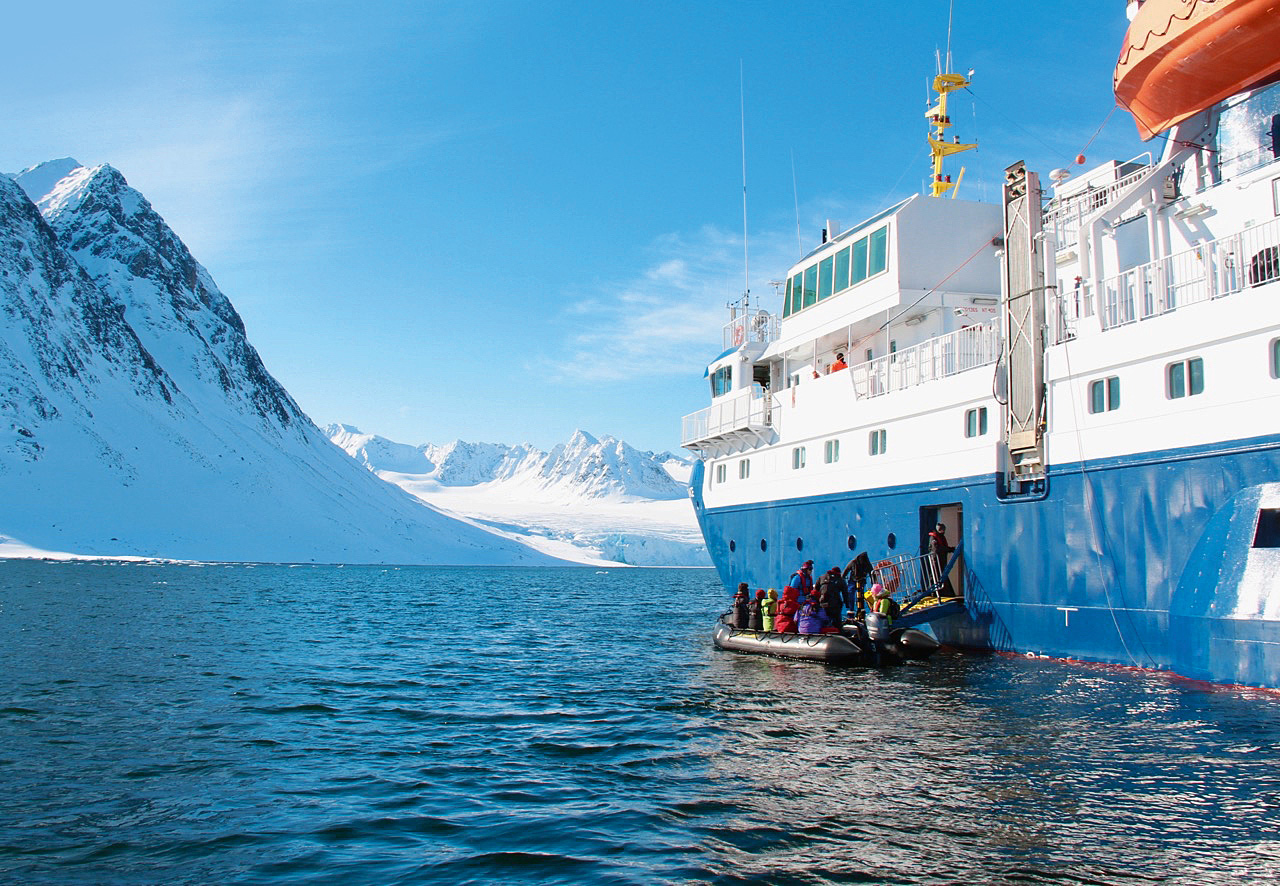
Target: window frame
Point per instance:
(878, 441)
(798, 458)
(975, 422)
(831, 451)
(1104, 395)
(1184, 378)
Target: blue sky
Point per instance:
(502, 221)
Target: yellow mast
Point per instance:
(938, 119)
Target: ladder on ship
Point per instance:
(1022, 320)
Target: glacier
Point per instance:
(597, 500)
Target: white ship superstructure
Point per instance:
(1084, 386)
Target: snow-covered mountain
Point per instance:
(136, 418)
(582, 468)
(587, 497)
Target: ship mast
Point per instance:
(944, 83)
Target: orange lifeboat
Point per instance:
(1181, 56)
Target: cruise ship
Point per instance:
(1082, 382)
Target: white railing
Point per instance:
(744, 328)
(1207, 271)
(936, 358)
(1064, 217)
(747, 411)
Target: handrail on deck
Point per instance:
(1206, 271)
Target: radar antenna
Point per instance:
(945, 83)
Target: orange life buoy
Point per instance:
(737, 334)
(890, 575)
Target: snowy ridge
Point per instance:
(137, 420)
(601, 498)
(584, 467)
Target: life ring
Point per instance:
(737, 334)
(890, 575)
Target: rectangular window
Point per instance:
(877, 442)
(810, 285)
(824, 277)
(786, 301)
(721, 381)
(1185, 378)
(893, 351)
(842, 270)
(744, 469)
(879, 258)
(870, 355)
(1275, 358)
(797, 286)
(721, 473)
(797, 458)
(975, 422)
(831, 451)
(1104, 395)
(858, 263)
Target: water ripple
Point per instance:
(271, 725)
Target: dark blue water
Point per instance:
(216, 724)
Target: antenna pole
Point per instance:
(742, 109)
(796, 192)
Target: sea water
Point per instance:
(267, 724)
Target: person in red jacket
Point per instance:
(788, 607)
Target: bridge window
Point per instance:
(1267, 534)
(842, 269)
(831, 451)
(877, 442)
(721, 381)
(1185, 378)
(1104, 395)
(744, 469)
(860, 260)
(975, 422)
(797, 458)
(878, 260)
(858, 265)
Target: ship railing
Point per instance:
(1064, 217)
(744, 414)
(1208, 270)
(911, 578)
(936, 358)
(745, 327)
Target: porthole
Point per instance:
(893, 541)
(853, 542)
(733, 546)
(799, 544)
(764, 545)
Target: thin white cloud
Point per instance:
(668, 320)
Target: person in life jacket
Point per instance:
(768, 609)
(755, 617)
(802, 581)
(740, 614)
(879, 612)
(813, 618)
(788, 607)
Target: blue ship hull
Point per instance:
(1136, 561)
